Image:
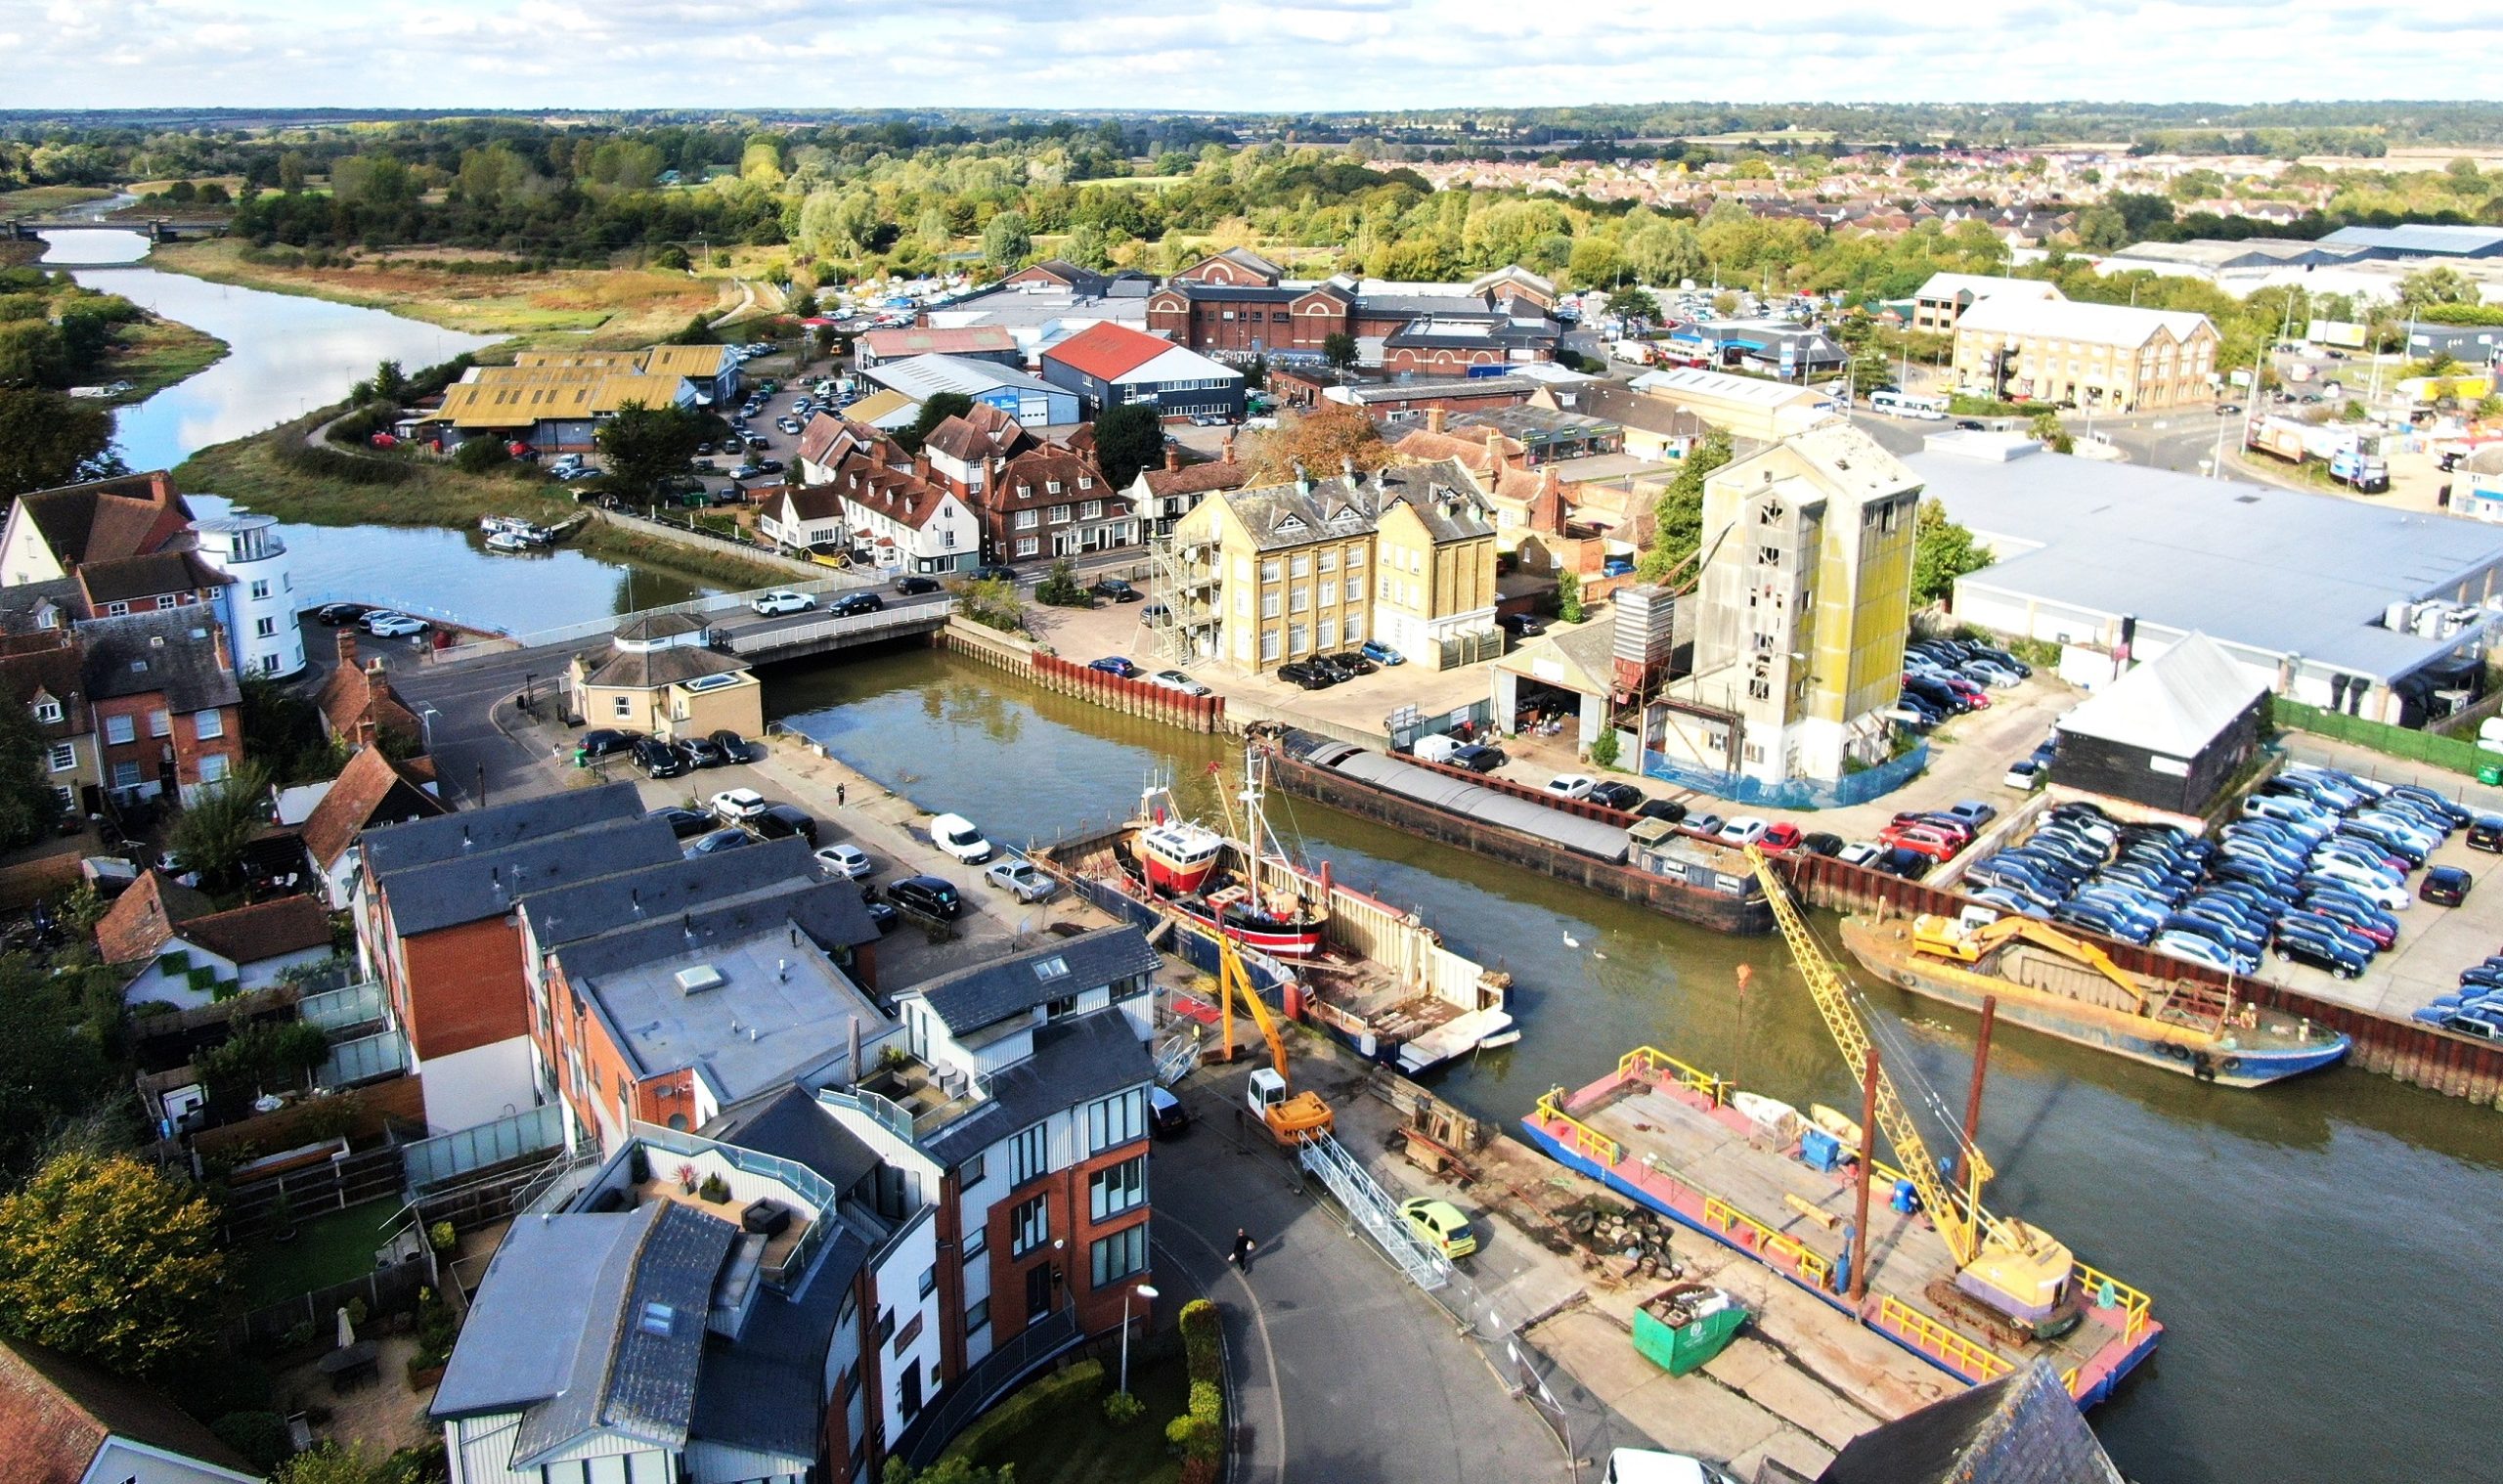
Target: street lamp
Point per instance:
(1142, 1291)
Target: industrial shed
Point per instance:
(2168, 735)
(1458, 795)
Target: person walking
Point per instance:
(1241, 1256)
(839, 791)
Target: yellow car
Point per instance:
(1440, 1225)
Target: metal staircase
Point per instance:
(1371, 1206)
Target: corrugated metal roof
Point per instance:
(2175, 704)
(1477, 802)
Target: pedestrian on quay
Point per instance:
(1241, 1256)
(839, 791)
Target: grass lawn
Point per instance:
(329, 1248)
(1080, 1448)
(36, 200)
(153, 354)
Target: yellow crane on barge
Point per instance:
(2017, 1269)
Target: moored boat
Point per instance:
(2062, 986)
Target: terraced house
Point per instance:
(1034, 497)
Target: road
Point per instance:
(2182, 441)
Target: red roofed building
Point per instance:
(68, 1422)
(1165, 494)
(162, 935)
(910, 522)
(52, 532)
(359, 707)
(372, 791)
(1109, 365)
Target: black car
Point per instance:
(2446, 886)
(333, 615)
(2486, 834)
(1662, 808)
(1521, 625)
(1617, 796)
(770, 466)
(1165, 1116)
(600, 742)
(1306, 677)
(1338, 672)
(686, 824)
(1822, 843)
(734, 746)
(1479, 758)
(1969, 424)
(781, 821)
(1112, 589)
(718, 842)
(915, 586)
(701, 752)
(994, 572)
(929, 896)
(1352, 661)
(882, 915)
(1909, 864)
(2322, 949)
(658, 759)
(851, 604)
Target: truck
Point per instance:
(2352, 454)
(1634, 352)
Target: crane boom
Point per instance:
(1232, 980)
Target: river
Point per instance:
(287, 355)
(2322, 1251)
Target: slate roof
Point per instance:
(126, 579)
(766, 1392)
(1448, 504)
(476, 831)
(626, 899)
(790, 1124)
(370, 792)
(57, 670)
(142, 920)
(175, 653)
(1075, 1060)
(651, 628)
(2175, 704)
(109, 518)
(985, 994)
(23, 605)
(651, 668)
(57, 1414)
(1282, 516)
(2019, 1430)
(443, 893)
(261, 930)
(1196, 478)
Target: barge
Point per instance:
(1672, 1138)
(2062, 986)
(1650, 865)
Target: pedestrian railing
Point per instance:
(1370, 1207)
(757, 640)
(429, 1162)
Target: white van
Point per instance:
(955, 833)
(1642, 1465)
(1438, 748)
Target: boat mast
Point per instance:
(1252, 809)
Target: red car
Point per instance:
(1780, 838)
(1945, 824)
(1929, 841)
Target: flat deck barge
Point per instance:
(1666, 1135)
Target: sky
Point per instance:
(1224, 55)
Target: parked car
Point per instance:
(1353, 660)
(685, 824)
(1306, 677)
(1381, 653)
(854, 604)
(602, 742)
(1175, 679)
(659, 759)
(1112, 589)
(929, 896)
(2024, 775)
(917, 587)
(2446, 886)
(1708, 825)
(1780, 838)
(883, 916)
(780, 821)
(1478, 758)
(2486, 834)
(1661, 808)
(734, 746)
(955, 833)
(1521, 625)
(1860, 852)
(783, 600)
(702, 752)
(846, 861)
(2322, 947)
(737, 803)
(1117, 664)
(1023, 878)
(716, 843)
(1572, 786)
(1742, 829)
(1617, 796)
(995, 571)
(333, 615)
(394, 626)
(1440, 1225)
(1167, 1117)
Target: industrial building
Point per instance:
(2168, 736)
(2334, 602)
(1764, 411)
(1029, 399)
(2416, 239)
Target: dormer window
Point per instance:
(48, 710)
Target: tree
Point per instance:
(1007, 241)
(989, 601)
(1941, 551)
(107, 1259)
(390, 384)
(51, 1073)
(2435, 285)
(1127, 439)
(2047, 428)
(646, 445)
(1633, 304)
(955, 1469)
(1677, 516)
(481, 455)
(1568, 598)
(29, 808)
(1060, 586)
(1339, 348)
(938, 409)
(47, 439)
(214, 827)
(1321, 442)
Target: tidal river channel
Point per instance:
(2325, 1252)
(287, 355)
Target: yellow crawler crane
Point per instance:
(2018, 1270)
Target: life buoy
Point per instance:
(2230, 1063)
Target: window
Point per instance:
(1268, 645)
(1355, 558)
(1355, 628)
(1299, 598)
(1299, 639)
(1115, 1121)
(977, 1315)
(977, 1242)
(125, 775)
(115, 610)
(1268, 605)
(120, 729)
(908, 1334)
(67, 796)
(208, 724)
(1330, 560)
(1120, 1255)
(1330, 593)
(621, 706)
(161, 723)
(47, 710)
(1329, 633)
(1060, 515)
(1300, 566)
(929, 1280)
(1092, 509)
(1029, 1225)
(1027, 546)
(1030, 1153)
(260, 587)
(1270, 570)
(264, 627)
(1121, 1188)
(1023, 520)
(65, 755)
(1241, 603)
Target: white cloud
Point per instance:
(1233, 54)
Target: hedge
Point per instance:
(1200, 1340)
(1075, 1387)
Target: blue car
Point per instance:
(2299, 943)
(1381, 653)
(1117, 666)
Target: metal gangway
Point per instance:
(1370, 1207)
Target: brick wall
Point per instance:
(465, 987)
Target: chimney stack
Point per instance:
(1173, 459)
(1347, 466)
(1302, 482)
(348, 649)
(1228, 456)
(1435, 418)
(364, 731)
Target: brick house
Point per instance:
(907, 520)
(146, 584)
(50, 534)
(173, 947)
(45, 673)
(359, 705)
(372, 791)
(168, 709)
(1165, 494)
(437, 923)
(68, 1423)
(1238, 267)
(1034, 498)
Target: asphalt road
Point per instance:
(2181, 440)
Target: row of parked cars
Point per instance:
(1947, 677)
(1130, 669)
(664, 758)
(2313, 870)
(1323, 670)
